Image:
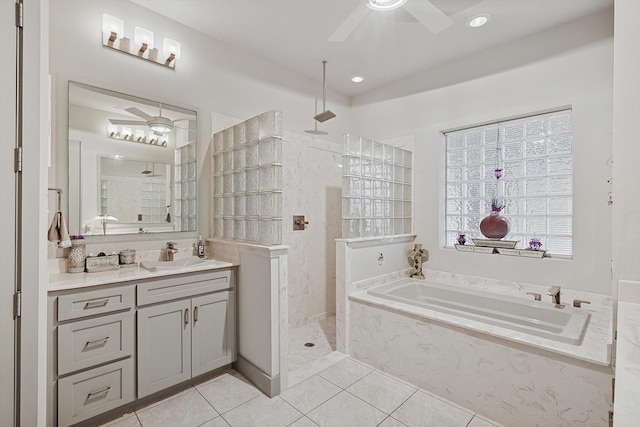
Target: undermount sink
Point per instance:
(175, 264)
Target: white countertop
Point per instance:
(626, 409)
(65, 281)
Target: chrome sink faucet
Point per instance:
(172, 248)
(554, 292)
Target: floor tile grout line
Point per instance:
(400, 405)
(373, 406)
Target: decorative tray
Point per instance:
(96, 264)
(476, 249)
(490, 243)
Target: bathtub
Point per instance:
(559, 323)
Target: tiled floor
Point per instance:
(347, 394)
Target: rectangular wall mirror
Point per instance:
(132, 164)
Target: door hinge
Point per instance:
(610, 418)
(613, 390)
(18, 160)
(17, 304)
(19, 14)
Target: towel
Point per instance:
(58, 231)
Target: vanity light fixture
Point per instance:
(172, 51)
(137, 135)
(144, 39)
(144, 45)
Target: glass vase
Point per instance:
(494, 226)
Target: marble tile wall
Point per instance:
(505, 382)
(312, 187)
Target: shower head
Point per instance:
(325, 114)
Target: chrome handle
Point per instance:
(578, 302)
(97, 303)
(95, 342)
(93, 394)
(301, 222)
(195, 314)
(186, 316)
(536, 296)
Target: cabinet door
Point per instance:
(212, 332)
(164, 346)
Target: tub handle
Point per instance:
(536, 296)
(578, 302)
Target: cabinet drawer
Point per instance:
(87, 394)
(88, 303)
(90, 342)
(183, 286)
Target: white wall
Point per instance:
(580, 77)
(209, 77)
(626, 143)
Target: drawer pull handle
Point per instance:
(96, 342)
(98, 393)
(195, 314)
(97, 303)
(186, 316)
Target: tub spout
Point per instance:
(554, 292)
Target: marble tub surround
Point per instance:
(512, 383)
(627, 395)
(596, 344)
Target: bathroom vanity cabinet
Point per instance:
(113, 343)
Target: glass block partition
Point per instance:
(186, 191)
(247, 180)
(376, 188)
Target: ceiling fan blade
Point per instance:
(128, 122)
(428, 15)
(346, 28)
(138, 112)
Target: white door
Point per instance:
(8, 211)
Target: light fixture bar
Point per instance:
(144, 46)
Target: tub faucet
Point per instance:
(172, 248)
(554, 292)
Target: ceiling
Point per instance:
(384, 47)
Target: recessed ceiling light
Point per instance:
(478, 21)
(357, 79)
(385, 5)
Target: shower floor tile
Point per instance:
(306, 361)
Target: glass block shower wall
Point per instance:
(186, 191)
(376, 188)
(247, 180)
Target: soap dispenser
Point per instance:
(200, 246)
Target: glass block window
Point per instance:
(536, 184)
(376, 188)
(247, 180)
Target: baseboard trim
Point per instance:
(266, 384)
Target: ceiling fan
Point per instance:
(158, 124)
(422, 10)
